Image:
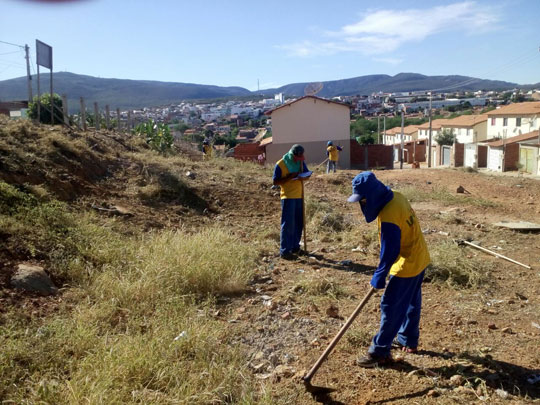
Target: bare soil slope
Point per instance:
(487, 334)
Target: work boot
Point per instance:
(288, 256)
(397, 345)
(371, 360)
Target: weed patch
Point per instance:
(445, 197)
(320, 286)
(450, 265)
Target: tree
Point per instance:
(228, 140)
(182, 126)
(366, 139)
(45, 110)
(446, 137)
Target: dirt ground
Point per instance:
(487, 336)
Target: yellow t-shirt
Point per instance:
(413, 255)
(333, 153)
(291, 188)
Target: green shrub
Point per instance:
(157, 135)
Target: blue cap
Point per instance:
(329, 143)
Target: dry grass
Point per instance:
(318, 285)
(450, 265)
(443, 196)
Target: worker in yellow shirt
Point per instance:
(333, 156)
(404, 254)
(286, 175)
(206, 150)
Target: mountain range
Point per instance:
(123, 93)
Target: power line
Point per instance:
(9, 43)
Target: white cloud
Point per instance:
(385, 31)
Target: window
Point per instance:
(493, 121)
(518, 122)
(505, 122)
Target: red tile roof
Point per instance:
(527, 108)
(514, 139)
(466, 121)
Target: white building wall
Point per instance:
(497, 127)
(310, 120)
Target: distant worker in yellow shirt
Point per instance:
(404, 254)
(333, 156)
(206, 150)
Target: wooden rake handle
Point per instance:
(334, 342)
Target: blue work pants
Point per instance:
(292, 223)
(332, 164)
(400, 314)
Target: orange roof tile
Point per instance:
(435, 124)
(466, 121)
(514, 139)
(527, 108)
(408, 130)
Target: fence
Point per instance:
(100, 119)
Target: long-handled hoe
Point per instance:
(315, 390)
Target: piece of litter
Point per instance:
(494, 302)
(501, 393)
(182, 334)
(535, 325)
(345, 262)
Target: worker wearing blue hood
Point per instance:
(405, 256)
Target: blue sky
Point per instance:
(238, 43)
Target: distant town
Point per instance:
(477, 129)
(244, 122)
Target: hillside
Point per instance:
(118, 93)
(171, 291)
(401, 82)
(144, 93)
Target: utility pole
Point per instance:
(378, 129)
(28, 75)
(402, 143)
(429, 141)
(384, 129)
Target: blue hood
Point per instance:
(377, 195)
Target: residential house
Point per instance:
(14, 109)
(436, 129)
(513, 119)
(520, 151)
(468, 130)
(410, 136)
(440, 155)
(311, 121)
(246, 135)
